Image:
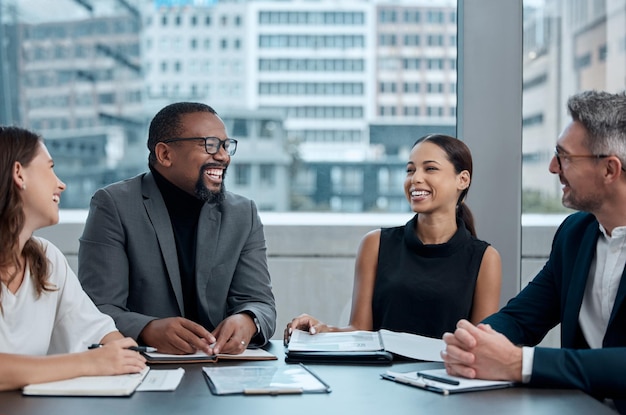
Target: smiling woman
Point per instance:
(434, 265)
(38, 290)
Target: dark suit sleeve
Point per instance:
(103, 264)
(599, 372)
(251, 288)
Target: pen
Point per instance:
(447, 381)
(141, 349)
(415, 382)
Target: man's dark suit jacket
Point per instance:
(555, 296)
(127, 260)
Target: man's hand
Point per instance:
(233, 334)
(177, 335)
(481, 352)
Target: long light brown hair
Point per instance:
(18, 145)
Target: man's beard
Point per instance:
(203, 193)
(591, 201)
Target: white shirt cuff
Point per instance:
(528, 355)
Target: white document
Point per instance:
(444, 385)
(413, 346)
(162, 380)
(346, 341)
(118, 385)
(408, 345)
(264, 380)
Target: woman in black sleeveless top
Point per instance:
(426, 275)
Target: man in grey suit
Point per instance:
(179, 263)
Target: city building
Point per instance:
(80, 88)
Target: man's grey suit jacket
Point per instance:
(129, 266)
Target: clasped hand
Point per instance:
(481, 352)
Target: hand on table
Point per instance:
(234, 334)
(177, 335)
(481, 352)
(304, 322)
(114, 358)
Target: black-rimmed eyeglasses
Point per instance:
(211, 144)
(563, 156)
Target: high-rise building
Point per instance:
(80, 87)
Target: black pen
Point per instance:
(447, 381)
(141, 349)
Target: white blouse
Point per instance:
(60, 321)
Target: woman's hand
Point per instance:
(304, 322)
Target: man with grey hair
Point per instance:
(581, 286)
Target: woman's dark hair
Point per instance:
(460, 156)
(18, 145)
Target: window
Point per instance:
(242, 174)
(589, 39)
(267, 177)
(319, 79)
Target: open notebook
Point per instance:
(201, 357)
(376, 347)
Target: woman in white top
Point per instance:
(46, 319)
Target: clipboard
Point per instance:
(263, 380)
(438, 381)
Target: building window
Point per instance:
(387, 16)
(240, 127)
(536, 119)
(242, 174)
(267, 175)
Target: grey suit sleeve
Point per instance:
(251, 287)
(103, 267)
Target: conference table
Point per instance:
(355, 390)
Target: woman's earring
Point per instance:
(23, 186)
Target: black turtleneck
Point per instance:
(184, 210)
